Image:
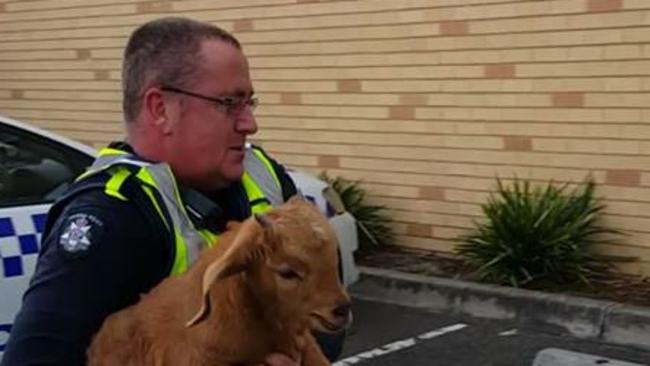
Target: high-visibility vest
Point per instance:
(260, 182)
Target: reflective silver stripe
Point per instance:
(262, 177)
(103, 162)
(166, 187)
(165, 182)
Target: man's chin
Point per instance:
(233, 175)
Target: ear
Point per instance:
(154, 106)
(298, 197)
(249, 245)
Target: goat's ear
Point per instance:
(298, 197)
(247, 247)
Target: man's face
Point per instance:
(208, 138)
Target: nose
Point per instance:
(342, 311)
(246, 122)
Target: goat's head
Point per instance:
(290, 259)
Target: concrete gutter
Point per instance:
(562, 357)
(581, 317)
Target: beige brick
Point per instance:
(621, 177)
(81, 95)
(566, 6)
(24, 76)
(102, 75)
(295, 86)
(154, 7)
(550, 54)
(631, 84)
(432, 193)
(585, 53)
(83, 54)
(39, 55)
(508, 56)
(348, 86)
(554, 145)
(604, 5)
(623, 52)
(342, 33)
(329, 162)
(63, 105)
(74, 33)
(517, 143)
(453, 28)
(3, 7)
(61, 44)
(349, 99)
(413, 99)
(17, 94)
(322, 111)
(41, 17)
(60, 65)
(401, 112)
(568, 99)
(109, 53)
(290, 98)
(242, 25)
(63, 85)
(459, 57)
(502, 71)
(419, 230)
(637, 4)
(367, 73)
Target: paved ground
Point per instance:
(394, 335)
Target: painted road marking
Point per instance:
(508, 333)
(398, 345)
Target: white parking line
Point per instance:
(398, 345)
(508, 333)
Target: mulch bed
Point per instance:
(611, 286)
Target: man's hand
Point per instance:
(278, 359)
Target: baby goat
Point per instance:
(261, 289)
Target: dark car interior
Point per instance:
(34, 169)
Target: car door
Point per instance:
(34, 170)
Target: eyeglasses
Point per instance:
(232, 106)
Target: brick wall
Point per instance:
(426, 101)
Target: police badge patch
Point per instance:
(79, 233)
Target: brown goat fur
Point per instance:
(262, 289)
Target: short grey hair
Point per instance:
(163, 52)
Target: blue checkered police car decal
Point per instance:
(19, 238)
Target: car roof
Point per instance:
(48, 134)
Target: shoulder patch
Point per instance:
(80, 231)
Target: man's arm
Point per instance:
(98, 257)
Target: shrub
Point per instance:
(533, 234)
(373, 222)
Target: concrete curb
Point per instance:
(581, 317)
(562, 357)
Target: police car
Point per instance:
(36, 166)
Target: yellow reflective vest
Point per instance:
(259, 180)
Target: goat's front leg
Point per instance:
(312, 354)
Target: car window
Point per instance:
(35, 169)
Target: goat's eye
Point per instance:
(288, 273)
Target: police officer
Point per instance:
(146, 206)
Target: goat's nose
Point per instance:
(342, 311)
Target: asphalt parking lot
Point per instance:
(385, 334)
